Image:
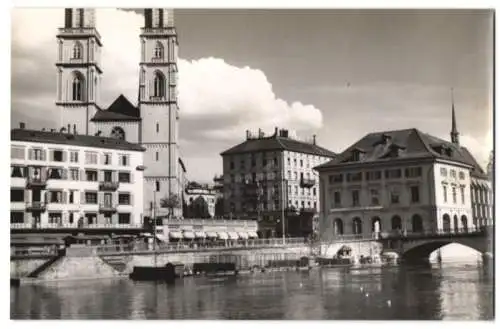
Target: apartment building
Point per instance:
(402, 180)
(60, 179)
(271, 178)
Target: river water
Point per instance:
(450, 291)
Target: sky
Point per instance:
(339, 74)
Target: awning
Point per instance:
(243, 235)
(200, 235)
(233, 235)
(188, 235)
(211, 235)
(222, 235)
(175, 235)
(253, 235)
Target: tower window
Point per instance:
(118, 133)
(158, 52)
(77, 50)
(157, 156)
(159, 85)
(78, 82)
(79, 18)
(157, 186)
(157, 127)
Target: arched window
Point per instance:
(376, 225)
(159, 85)
(446, 223)
(465, 225)
(396, 223)
(77, 50)
(158, 52)
(356, 226)
(416, 224)
(118, 133)
(455, 223)
(338, 227)
(78, 85)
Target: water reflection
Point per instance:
(450, 291)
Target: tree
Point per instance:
(219, 207)
(199, 208)
(170, 202)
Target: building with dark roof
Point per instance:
(403, 180)
(271, 178)
(70, 182)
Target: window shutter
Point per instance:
(65, 174)
(131, 177)
(26, 217)
(102, 158)
(30, 154)
(131, 199)
(114, 199)
(47, 196)
(65, 156)
(26, 196)
(65, 197)
(44, 155)
(100, 198)
(82, 175)
(82, 197)
(100, 175)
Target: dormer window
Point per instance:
(357, 154)
(386, 139)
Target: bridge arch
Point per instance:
(420, 250)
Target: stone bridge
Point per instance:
(417, 246)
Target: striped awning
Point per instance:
(243, 235)
(253, 234)
(188, 235)
(233, 235)
(175, 235)
(200, 235)
(211, 234)
(222, 235)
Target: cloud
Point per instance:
(218, 101)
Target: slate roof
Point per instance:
(277, 143)
(47, 137)
(120, 110)
(403, 144)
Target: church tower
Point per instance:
(78, 69)
(159, 110)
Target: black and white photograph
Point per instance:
(251, 163)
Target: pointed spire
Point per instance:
(454, 132)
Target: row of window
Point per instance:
(272, 162)
(91, 157)
(17, 217)
(376, 225)
(273, 205)
(70, 197)
(374, 175)
(374, 197)
(454, 194)
(74, 174)
(481, 195)
(453, 173)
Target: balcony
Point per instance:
(307, 183)
(108, 186)
(166, 30)
(38, 182)
(79, 31)
(308, 210)
(36, 206)
(107, 208)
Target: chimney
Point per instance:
(22, 125)
(248, 134)
(74, 129)
(314, 139)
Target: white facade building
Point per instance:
(401, 180)
(67, 180)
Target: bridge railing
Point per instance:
(434, 232)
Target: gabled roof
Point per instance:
(47, 137)
(277, 143)
(120, 110)
(403, 144)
